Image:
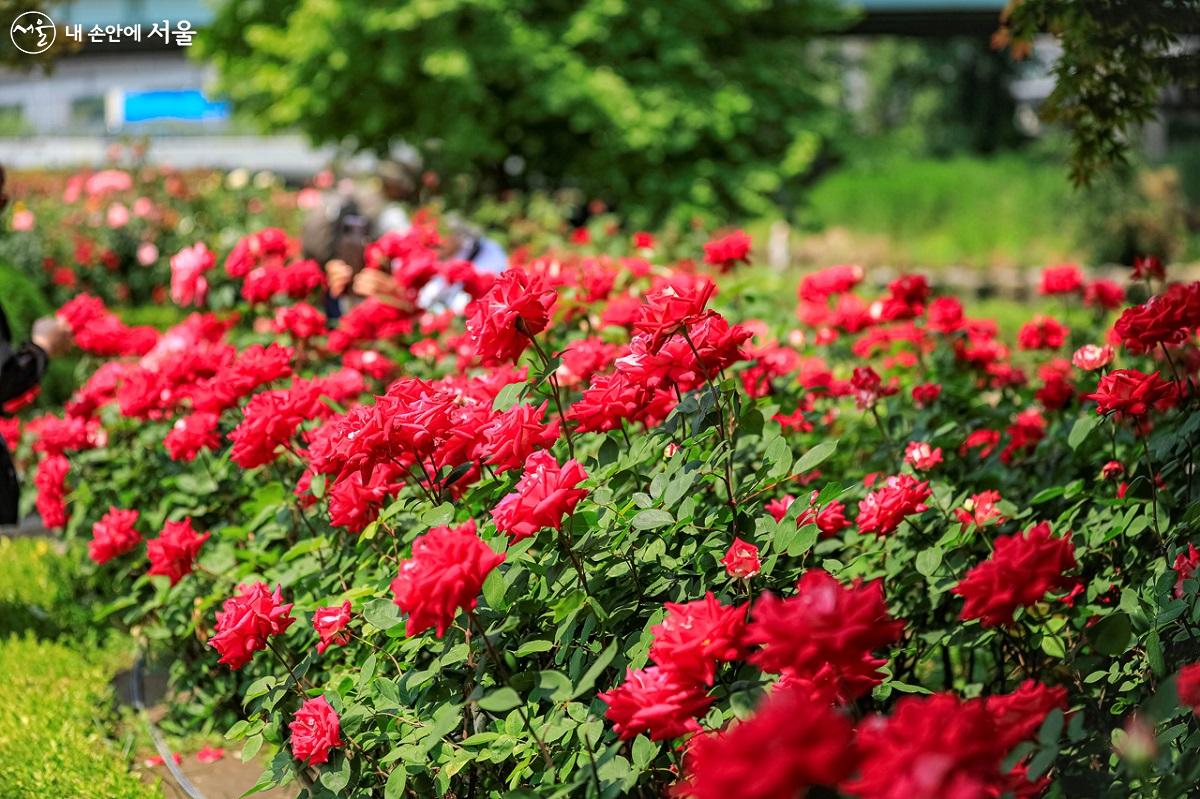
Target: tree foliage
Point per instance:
(692, 105)
(1118, 57)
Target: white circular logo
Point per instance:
(32, 32)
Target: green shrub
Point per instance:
(22, 300)
(50, 744)
(35, 587)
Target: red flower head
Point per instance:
(51, 482)
(945, 315)
(515, 434)
(695, 636)
(741, 561)
(1185, 566)
(643, 240)
(656, 702)
(1130, 394)
(1043, 333)
(926, 394)
(728, 251)
(983, 440)
(868, 387)
(301, 320)
(921, 456)
(882, 510)
(1064, 279)
(113, 535)
(445, 573)
(502, 322)
(1019, 715)
(315, 731)
(980, 510)
(1169, 319)
(271, 420)
(1105, 294)
(545, 494)
(675, 306)
(330, 623)
(247, 620)
(192, 433)
(1146, 267)
(1089, 357)
(1022, 569)
(824, 635)
(790, 743)
(174, 552)
(931, 747)
(1187, 685)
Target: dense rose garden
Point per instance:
(645, 525)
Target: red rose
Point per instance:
(1187, 685)
(190, 434)
(1042, 333)
(1185, 566)
(1130, 394)
(315, 731)
(515, 434)
(695, 636)
(1169, 319)
(173, 553)
(247, 620)
(445, 573)
(330, 623)
(656, 702)
(502, 322)
(791, 742)
(113, 535)
(1089, 357)
(1063, 279)
(926, 394)
(824, 635)
(51, 482)
(882, 511)
(921, 456)
(545, 494)
(1022, 569)
(729, 250)
(741, 561)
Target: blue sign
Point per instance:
(182, 104)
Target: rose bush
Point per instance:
(640, 526)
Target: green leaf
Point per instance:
(382, 613)
(588, 680)
(815, 457)
(338, 777)
(652, 518)
(508, 396)
(494, 589)
(394, 788)
(928, 561)
(530, 647)
(1110, 635)
(500, 701)
(1082, 428)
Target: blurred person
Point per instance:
(21, 368)
(351, 215)
(460, 241)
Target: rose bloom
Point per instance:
(51, 482)
(694, 637)
(1023, 568)
(316, 730)
(188, 284)
(790, 743)
(1104, 294)
(22, 220)
(656, 702)
(330, 623)
(192, 433)
(1185, 566)
(980, 510)
(247, 620)
(926, 394)
(113, 535)
(445, 573)
(1187, 685)
(1146, 267)
(545, 494)
(515, 434)
(921, 456)
(741, 560)
(1042, 333)
(501, 323)
(1130, 394)
(729, 250)
(1063, 279)
(824, 635)
(147, 253)
(882, 511)
(1090, 357)
(174, 552)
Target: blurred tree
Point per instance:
(937, 96)
(688, 106)
(1118, 56)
